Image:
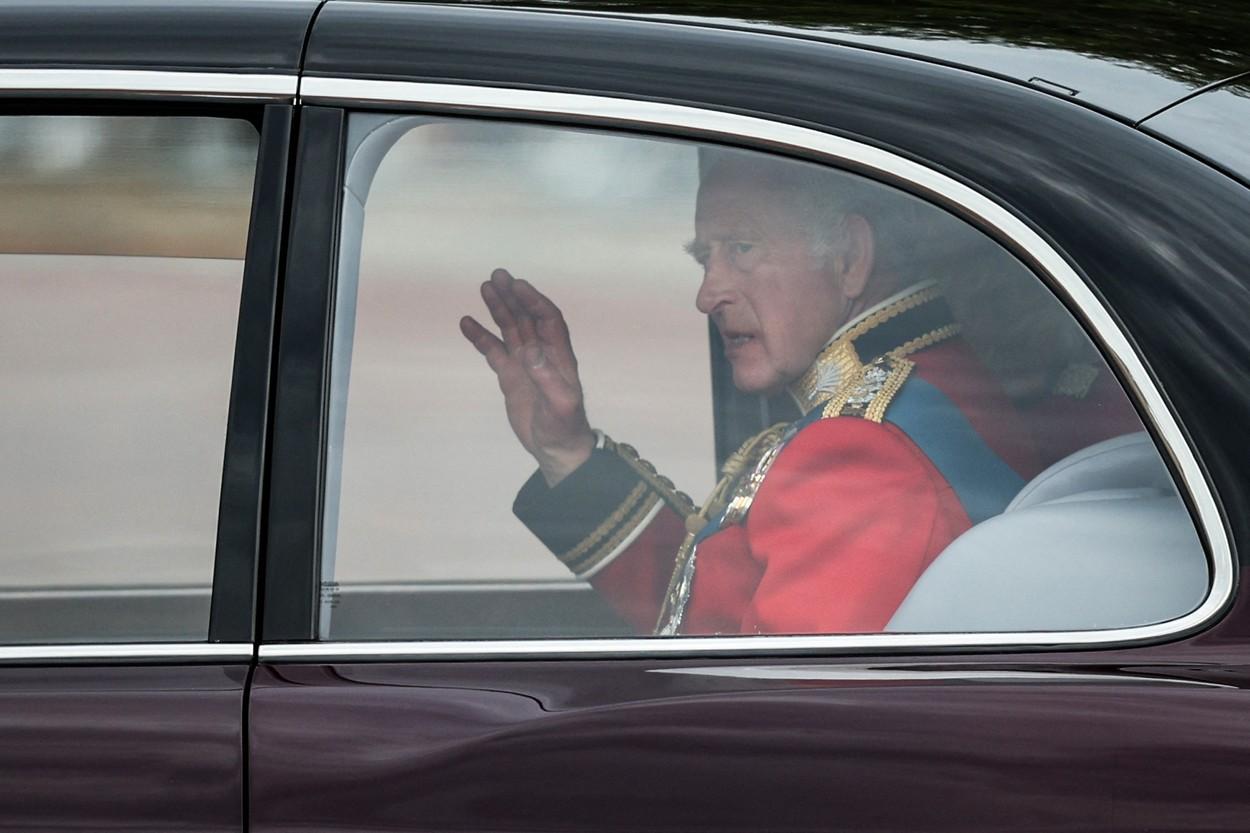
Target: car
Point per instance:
(261, 566)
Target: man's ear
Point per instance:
(853, 265)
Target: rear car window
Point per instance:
(703, 390)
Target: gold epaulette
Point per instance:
(868, 393)
(860, 371)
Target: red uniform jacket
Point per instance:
(844, 520)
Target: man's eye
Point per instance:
(743, 254)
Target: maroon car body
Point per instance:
(263, 725)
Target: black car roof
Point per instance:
(252, 36)
(1127, 57)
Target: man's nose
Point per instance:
(717, 286)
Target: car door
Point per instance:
(142, 208)
(427, 665)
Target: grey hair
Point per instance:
(822, 197)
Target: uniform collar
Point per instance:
(901, 324)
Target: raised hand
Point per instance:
(533, 360)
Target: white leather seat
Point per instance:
(1099, 540)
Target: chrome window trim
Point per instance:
(123, 81)
(22, 594)
(571, 585)
(695, 123)
(155, 651)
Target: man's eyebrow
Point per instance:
(696, 248)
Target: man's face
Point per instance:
(774, 300)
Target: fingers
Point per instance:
(503, 287)
(535, 303)
(533, 338)
(550, 327)
(479, 336)
(501, 312)
(486, 343)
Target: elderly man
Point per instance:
(817, 526)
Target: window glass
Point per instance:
(890, 423)
(121, 246)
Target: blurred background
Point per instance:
(121, 244)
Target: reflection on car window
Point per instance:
(881, 381)
(121, 245)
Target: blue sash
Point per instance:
(982, 480)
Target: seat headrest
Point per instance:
(1127, 462)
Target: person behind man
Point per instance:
(820, 525)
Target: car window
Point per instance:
(594, 384)
(121, 246)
